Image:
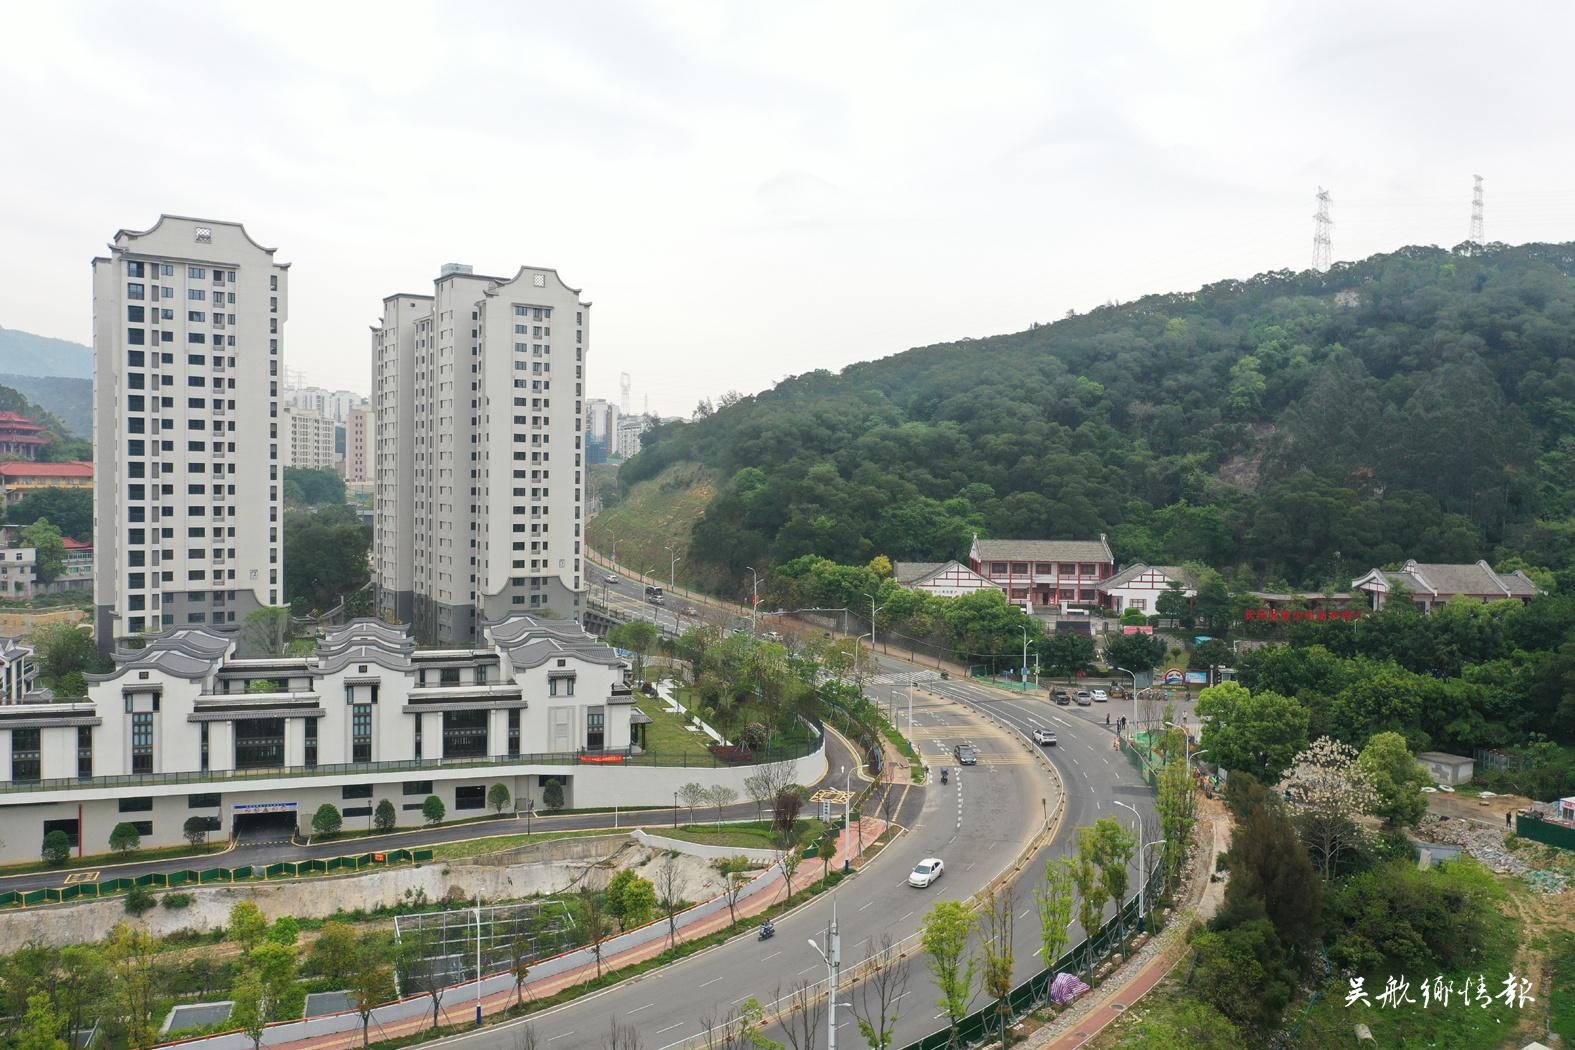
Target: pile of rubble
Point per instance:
(1486, 844)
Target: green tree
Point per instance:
(433, 809)
(630, 899)
(327, 555)
(251, 1009)
(1114, 845)
(285, 930)
(42, 1028)
(1135, 652)
(1172, 603)
(1053, 899)
(51, 547)
(1212, 653)
(139, 899)
(552, 795)
(1176, 803)
(1242, 973)
(336, 952)
(327, 820)
(1091, 892)
(1270, 868)
(135, 983)
(384, 818)
(1067, 652)
(317, 486)
(370, 984)
(57, 848)
(71, 684)
(196, 831)
(124, 839)
(247, 925)
(68, 507)
(948, 927)
(1257, 733)
(498, 798)
(62, 648)
(1397, 778)
(264, 631)
(637, 636)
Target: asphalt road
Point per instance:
(838, 755)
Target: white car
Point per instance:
(611, 580)
(927, 872)
(1100, 696)
(1045, 737)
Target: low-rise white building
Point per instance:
(19, 571)
(946, 579)
(17, 670)
(1139, 587)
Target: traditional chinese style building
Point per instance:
(945, 579)
(1139, 587)
(1044, 572)
(20, 477)
(20, 436)
(1432, 586)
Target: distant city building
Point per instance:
(187, 320)
(20, 436)
(331, 404)
(308, 438)
(1038, 573)
(18, 669)
(358, 430)
(18, 477)
(476, 451)
(601, 428)
(628, 435)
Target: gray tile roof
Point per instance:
(1132, 572)
(1044, 550)
(907, 572)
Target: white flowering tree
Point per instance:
(1333, 790)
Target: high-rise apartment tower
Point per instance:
(187, 331)
(476, 458)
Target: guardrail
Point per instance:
(192, 877)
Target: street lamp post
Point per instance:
(754, 604)
(1123, 670)
(672, 569)
(873, 610)
(833, 957)
(1138, 819)
(1143, 882)
(1025, 658)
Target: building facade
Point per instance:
(308, 438)
(626, 441)
(330, 404)
(1139, 587)
(476, 451)
(944, 579)
(188, 321)
(19, 571)
(21, 478)
(358, 430)
(1431, 586)
(18, 669)
(1037, 573)
(173, 732)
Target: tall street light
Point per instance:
(672, 570)
(833, 957)
(873, 610)
(754, 604)
(1123, 670)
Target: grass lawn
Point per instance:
(666, 734)
(476, 847)
(754, 835)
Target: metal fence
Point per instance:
(192, 877)
(445, 944)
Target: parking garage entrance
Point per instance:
(265, 822)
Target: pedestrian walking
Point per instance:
(1107, 718)
(1508, 823)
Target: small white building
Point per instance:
(946, 579)
(19, 571)
(1139, 587)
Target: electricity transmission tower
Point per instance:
(1475, 236)
(624, 384)
(1321, 246)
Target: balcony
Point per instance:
(218, 407)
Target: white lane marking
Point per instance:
(773, 955)
(659, 1031)
(905, 916)
(637, 1009)
(571, 1032)
(803, 972)
(860, 909)
(711, 982)
(735, 1002)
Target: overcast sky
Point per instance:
(747, 192)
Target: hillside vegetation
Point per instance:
(1418, 404)
(70, 400)
(652, 516)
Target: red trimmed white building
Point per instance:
(1139, 587)
(1431, 586)
(945, 579)
(1039, 573)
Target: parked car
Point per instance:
(965, 754)
(1083, 697)
(1100, 696)
(928, 871)
(1062, 697)
(1045, 737)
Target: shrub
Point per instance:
(139, 899)
(196, 831)
(433, 810)
(124, 839)
(552, 795)
(327, 820)
(57, 847)
(385, 818)
(175, 900)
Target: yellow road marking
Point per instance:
(81, 876)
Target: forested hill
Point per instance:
(1291, 428)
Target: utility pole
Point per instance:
(1322, 249)
(833, 957)
(1476, 236)
(1025, 658)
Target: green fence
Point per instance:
(163, 880)
(1544, 832)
